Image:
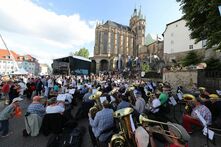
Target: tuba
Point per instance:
(188, 99)
(97, 106)
(126, 132)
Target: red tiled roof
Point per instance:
(4, 53)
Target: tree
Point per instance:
(191, 59)
(204, 20)
(213, 64)
(82, 52)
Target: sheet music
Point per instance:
(71, 91)
(132, 123)
(179, 95)
(94, 90)
(61, 97)
(173, 101)
(218, 92)
(102, 99)
(203, 121)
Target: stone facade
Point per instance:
(116, 43)
(147, 51)
(180, 78)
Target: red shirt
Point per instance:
(5, 88)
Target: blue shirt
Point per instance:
(123, 104)
(36, 108)
(102, 121)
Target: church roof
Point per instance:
(117, 25)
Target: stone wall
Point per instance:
(180, 78)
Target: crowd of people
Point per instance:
(52, 99)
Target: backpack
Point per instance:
(72, 139)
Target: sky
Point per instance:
(49, 29)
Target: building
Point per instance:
(44, 69)
(153, 50)
(177, 40)
(116, 43)
(71, 65)
(10, 61)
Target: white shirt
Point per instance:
(50, 83)
(54, 109)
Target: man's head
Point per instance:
(16, 101)
(36, 99)
(105, 104)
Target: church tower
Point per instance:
(137, 25)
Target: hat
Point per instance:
(17, 99)
(179, 131)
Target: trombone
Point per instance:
(143, 119)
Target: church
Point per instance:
(116, 44)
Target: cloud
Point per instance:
(42, 32)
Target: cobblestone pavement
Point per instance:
(17, 140)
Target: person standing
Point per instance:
(5, 91)
(102, 125)
(7, 113)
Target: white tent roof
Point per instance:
(20, 71)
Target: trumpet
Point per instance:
(143, 119)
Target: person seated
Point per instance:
(54, 107)
(34, 116)
(181, 136)
(204, 95)
(103, 124)
(140, 102)
(85, 106)
(124, 103)
(189, 120)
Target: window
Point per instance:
(172, 42)
(171, 34)
(176, 25)
(190, 46)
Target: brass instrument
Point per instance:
(143, 119)
(97, 106)
(188, 99)
(214, 97)
(119, 140)
(114, 90)
(202, 88)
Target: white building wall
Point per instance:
(177, 38)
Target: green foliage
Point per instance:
(204, 20)
(145, 67)
(213, 64)
(191, 59)
(83, 52)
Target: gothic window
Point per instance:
(112, 42)
(105, 42)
